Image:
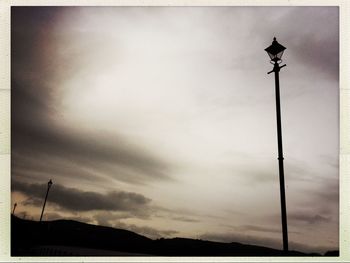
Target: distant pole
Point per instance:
(275, 52)
(14, 208)
(47, 193)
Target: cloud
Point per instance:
(328, 193)
(185, 219)
(38, 129)
(145, 230)
(259, 229)
(321, 50)
(77, 200)
(311, 35)
(307, 217)
(112, 156)
(317, 206)
(106, 218)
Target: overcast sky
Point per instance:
(162, 120)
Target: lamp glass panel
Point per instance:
(279, 55)
(271, 55)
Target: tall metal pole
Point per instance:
(47, 193)
(276, 69)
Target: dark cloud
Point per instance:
(320, 204)
(321, 50)
(104, 154)
(259, 229)
(29, 167)
(77, 200)
(310, 46)
(35, 132)
(298, 28)
(307, 218)
(32, 73)
(329, 191)
(35, 137)
(185, 219)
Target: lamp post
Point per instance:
(275, 52)
(14, 208)
(47, 193)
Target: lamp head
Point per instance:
(275, 51)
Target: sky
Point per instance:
(162, 120)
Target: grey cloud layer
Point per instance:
(77, 200)
(34, 134)
(35, 85)
(116, 158)
(310, 219)
(320, 50)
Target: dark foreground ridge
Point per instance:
(72, 238)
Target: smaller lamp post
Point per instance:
(275, 52)
(14, 208)
(47, 193)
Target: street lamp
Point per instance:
(14, 208)
(275, 52)
(47, 193)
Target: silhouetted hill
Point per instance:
(67, 237)
(192, 247)
(26, 234)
